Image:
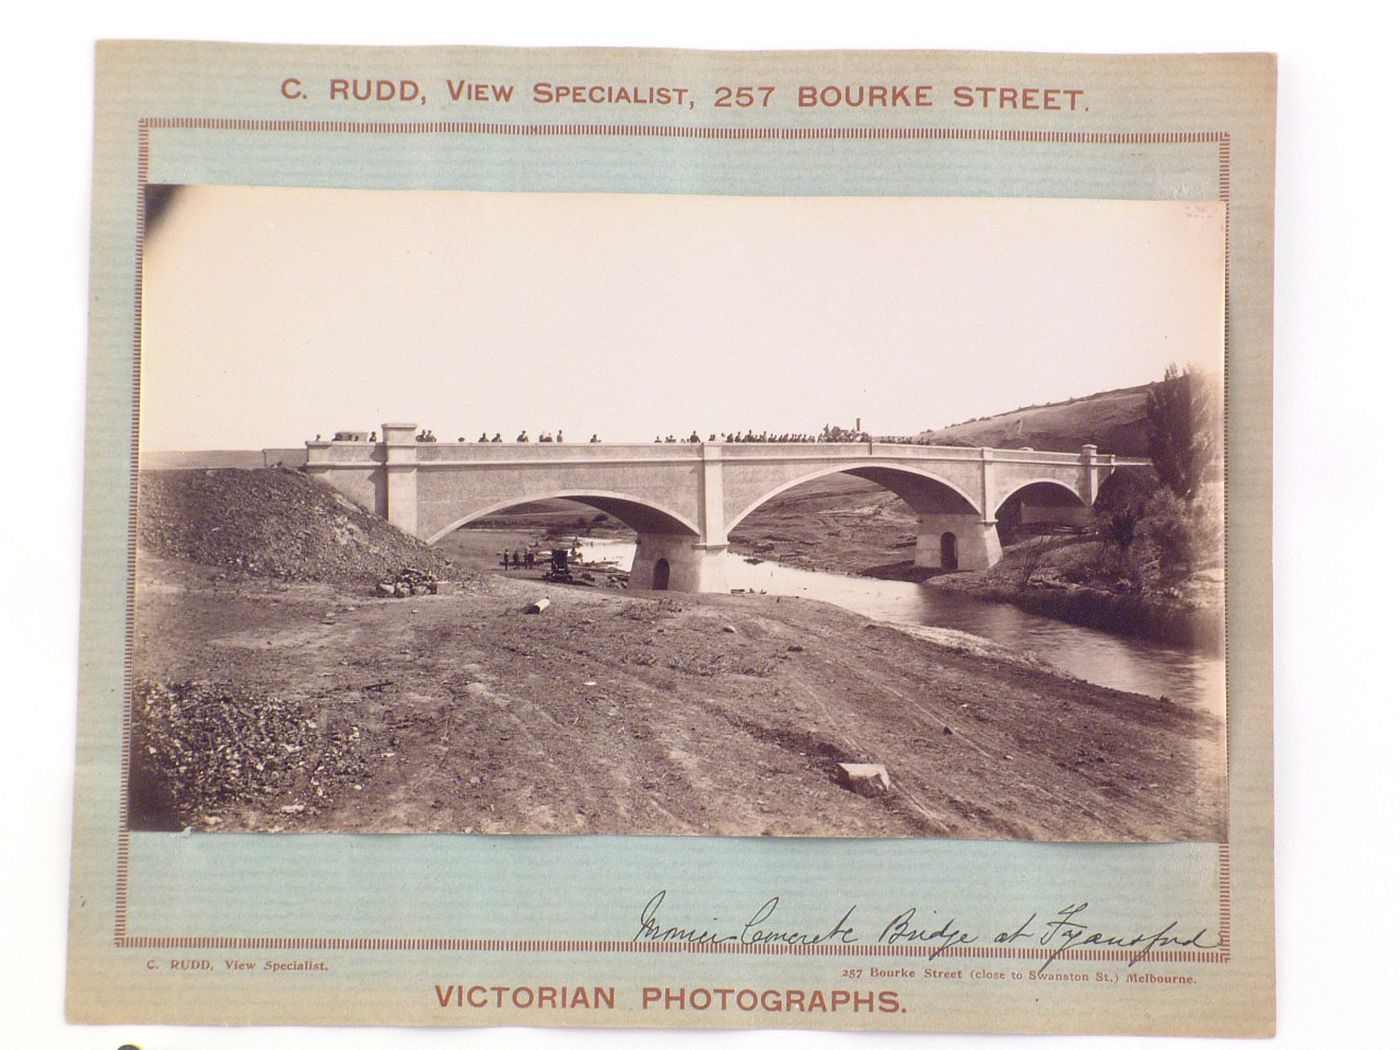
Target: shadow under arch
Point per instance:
(925, 493)
(633, 511)
(1057, 493)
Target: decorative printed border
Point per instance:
(121, 939)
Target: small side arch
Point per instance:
(633, 511)
(1074, 498)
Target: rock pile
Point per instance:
(200, 749)
(409, 582)
(273, 522)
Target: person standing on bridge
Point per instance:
(559, 438)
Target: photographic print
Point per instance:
(475, 513)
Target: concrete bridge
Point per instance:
(684, 499)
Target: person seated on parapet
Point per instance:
(658, 440)
(373, 436)
(712, 437)
(694, 438)
(594, 440)
(522, 436)
(545, 438)
(497, 439)
(484, 439)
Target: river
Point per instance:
(1134, 665)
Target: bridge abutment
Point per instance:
(956, 541)
(669, 562)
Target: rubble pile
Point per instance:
(277, 523)
(203, 748)
(408, 582)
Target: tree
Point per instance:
(1183, 429)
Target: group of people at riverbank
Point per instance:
(529, 557)
(518, 559)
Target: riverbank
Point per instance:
(614, 713)
(852, 527)
(1032, 576)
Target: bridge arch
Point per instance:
(1038, 502)
(636, 512)
(925, 492)
(1061, 489)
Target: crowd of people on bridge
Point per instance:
(828, 433)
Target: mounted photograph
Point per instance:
(628, 514)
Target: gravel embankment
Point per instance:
(275, 523)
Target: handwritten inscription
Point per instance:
(1066, 929)
(761, 928)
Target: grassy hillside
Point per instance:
(1115, 420)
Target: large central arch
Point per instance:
(945, 510)
(924, 492)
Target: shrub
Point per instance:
(1120, 504)
(1174, 537)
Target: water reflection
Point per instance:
(1131, 664)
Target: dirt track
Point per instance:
(616, 713)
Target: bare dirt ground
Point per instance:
(615, 713)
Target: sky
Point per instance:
(271, 315)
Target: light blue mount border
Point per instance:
(321, 886)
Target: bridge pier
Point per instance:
(956, 541)
(670, 562)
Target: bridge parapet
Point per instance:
(343, 453)
(523, 452)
